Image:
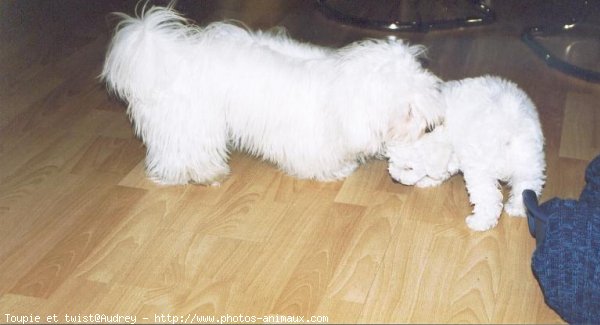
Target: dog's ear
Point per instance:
(408, 125)
(399, 129)
(417, 122)
(422, 112)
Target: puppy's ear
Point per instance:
(453, 164)
(440, 151)
(437, 159)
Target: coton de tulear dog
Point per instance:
(491, 132)
(196, 93)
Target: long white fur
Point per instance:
(195, 93)
(491, 132)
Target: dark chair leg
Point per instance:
(476, 13)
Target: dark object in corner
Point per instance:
(566, 261)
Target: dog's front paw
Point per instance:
(515, 208)
(428, 182)
(214, 181)
(480, 223)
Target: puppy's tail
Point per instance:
(144, 53)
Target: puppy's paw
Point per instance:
(480, 223)
(515, 208)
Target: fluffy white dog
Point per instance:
(491, 132)
(195, 93)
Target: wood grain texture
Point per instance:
(82, 230)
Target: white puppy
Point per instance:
(491, 132)
(196, 93)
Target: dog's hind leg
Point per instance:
(486, 197)
(184, 144)
(186, 161)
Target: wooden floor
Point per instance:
(83, 232)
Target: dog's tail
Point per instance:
(144, 53)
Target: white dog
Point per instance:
(196, 93)
(491, 132)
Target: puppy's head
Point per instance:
(427, 160)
